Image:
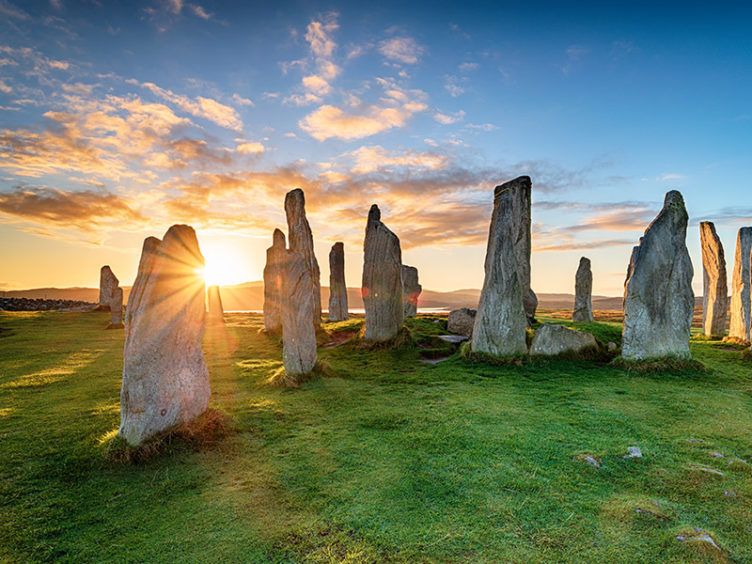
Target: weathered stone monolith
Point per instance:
(714, 289)
(116, 309)
(165, 379)
(461, 321)
(275, 256)
(107, 284)
(382, 280)
(583, 288)
(298, 331)
(300, 240)
(410, 291)
(337, 286)
(658, 299)
(551, 339)
(216, 311)
(739, 325)
(501, 321)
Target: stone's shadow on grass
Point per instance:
(669, 365)
(200, 434)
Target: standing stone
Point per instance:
(410, 291)
(337, 286)
(116, 309)
(301, 241)
(461, 321)
(298, 331)
(740, 287)
(275, 256)
(520, 188)
(501, 321)
(583, 288)
(714, 290)
(658, 301)
(382, 280)
(216, 311)
(165, 379)
(107, 284)
(551, 339)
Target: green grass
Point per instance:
(383, 458)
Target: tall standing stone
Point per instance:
(216, 311)
(739, 326)
(382, 280)
(298, 331)
(107, 284)
(658, 300)
(337, 286)
(410, 290)
(583, 289)
(301, 241)
(165, 379)
(714, 289)
(501, 321)
(275, 257)
(116, 309)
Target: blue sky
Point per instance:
(119, 119)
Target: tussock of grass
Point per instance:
(747, 354)
(322, 369)
(672, 365)
(199, 434)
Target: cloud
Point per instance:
(4, 88)
(447, 119)
(317, 35)
(250, 148)
(452, 86)
(468, 67)
(574, 53)
(373, 158)
(329, 121)
(670, 176)
(85, 210)
(238, 99)
(482, 126)
(11, 11)
(317, 85)
(206, 108)
(403, 49)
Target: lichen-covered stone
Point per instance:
(382, 280)
(461, 321)
(298, 331)
(501, 321)
(165, 379)
(300, 239)
(216, 311)
(583, 288)
(553, 339)
(116, 309)
(275, 256)
(658, 299)
(337, 287)
(714, 289)
(411, 290)
(741, 318)
(107, 284)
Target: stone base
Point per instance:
(115, 326)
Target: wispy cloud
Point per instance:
(448, 119)
(402, 49)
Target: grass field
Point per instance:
(386, 458)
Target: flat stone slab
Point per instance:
(455, 339)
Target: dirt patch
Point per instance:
(340, 337)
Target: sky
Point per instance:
(119, 119)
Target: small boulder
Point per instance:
(553, 339)
(461, 321)
(633, 452)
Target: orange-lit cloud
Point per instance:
(403, 49)
(86, 210)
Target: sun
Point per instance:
(224, 265)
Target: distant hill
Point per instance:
(250, 296)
